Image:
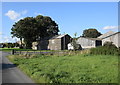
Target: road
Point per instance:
(12, 74)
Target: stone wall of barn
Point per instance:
(86, 43)
(54, 44)
(114, 38)
(58, 43)
(43, 45)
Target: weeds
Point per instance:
(81, 68)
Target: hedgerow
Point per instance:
(107, 49)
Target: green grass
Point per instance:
(17, 49)
(30, 50)
(82, 68)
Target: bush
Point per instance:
(109, 45)
(75, 45)
(107, 49)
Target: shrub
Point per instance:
(107, 49)
(109, 45)
(75, 45)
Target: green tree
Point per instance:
(91, 33)
(32, 28)
(6, 45)
(10, 45)
(16, 44)
(25, 28)
(46, 26)
(75, 34)
(74, 43)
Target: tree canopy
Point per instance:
(32, 28)
(91, 33)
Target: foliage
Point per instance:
(10, 45)
(75, 34)
(91, 33)
(107, 49)
(25, 28)
(32, 28)
(16, 44)
(69, 69)
(75, 45)
(109, 45)
(46, 26)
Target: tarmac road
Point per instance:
(11, 74)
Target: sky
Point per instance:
(71, 17)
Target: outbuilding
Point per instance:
(113, 37)
(58, 42)
(89, 42)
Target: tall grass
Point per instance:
(103, 50)
(82, 68)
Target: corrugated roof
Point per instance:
(91, 38)
(106, 34)
(111, 35)
(94, 38)
(58, 36)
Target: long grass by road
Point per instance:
(69, 69)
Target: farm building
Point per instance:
(58, 42)
(106, 34)
(111, 37)
(1, 45)
(89, 42)
(70, 46)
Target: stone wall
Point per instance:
(54, 44)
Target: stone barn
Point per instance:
(114, 37)
(58, 42)
(89, 42)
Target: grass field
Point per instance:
(82, 68)
(17, 49)
(30, 50)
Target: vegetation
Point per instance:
(109, 45)
(107, 49)
(91, 33)
(30, 50)
(74, 43)
(81, 68)
(17, 49)
(32, 28)
(9, 45)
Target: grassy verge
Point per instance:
(30, 50)
(82, 68)
(17, 49)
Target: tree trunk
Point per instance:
(28, 45)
